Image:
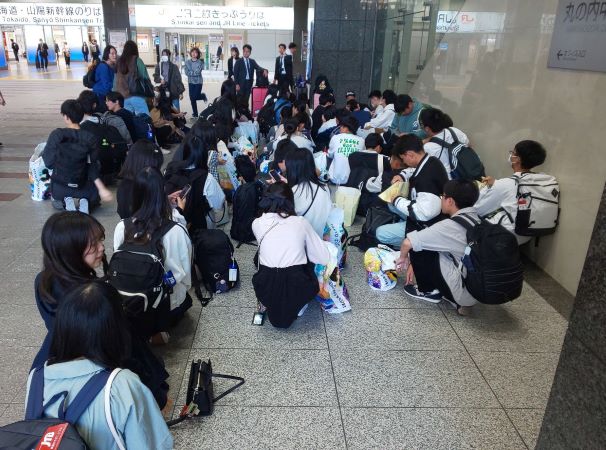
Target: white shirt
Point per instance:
(340, 147)
(178, 257)
(434, 149)
(327, 125)
(291, 242)
(299, 141)
(502, 194)
(383, 118)
(317, 213)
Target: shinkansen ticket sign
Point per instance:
(579, 36)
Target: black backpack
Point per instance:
(376, 216)
(71, 163)
(494, 269)
(137, 273)
(60, 433)
(89, 78)
(144, 128)
(214, 256)
(245, 207)
(464, 161)
(266, 118)
(111, 146)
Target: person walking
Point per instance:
(42, 52)
(244, 73)
(66, 55)
(94, 50)
(193, 70)
(15, 48)
(57, 52)
(167, 74)
(129, 68)
(85, 51)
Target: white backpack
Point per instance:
(538, 204)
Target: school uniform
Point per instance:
(285, 281)
(339, 149)
(313, 202)
(135, 414)
(444, 245)
(382, 119)
(440, 152)
(499, 204)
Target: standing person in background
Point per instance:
(219, 54)
(42, 51)
(167, 74)
(2, 103)
(66, 54)
(235, 56)
(85, 51)
(104, 76)
(94, 50)
(15, 48)
(57, 51)
(283, 76)
(244, 73)
(130, 65)
(193, 70)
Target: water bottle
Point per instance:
(467, 260)
(233, 271)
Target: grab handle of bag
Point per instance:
(231, 389)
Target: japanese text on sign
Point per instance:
(270, 18)
(50, 14)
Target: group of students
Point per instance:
(388, 141)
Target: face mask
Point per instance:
(167, 94)
(164, 58)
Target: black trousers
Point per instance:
(426, 265)
(16, 55)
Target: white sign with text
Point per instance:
(51, 14)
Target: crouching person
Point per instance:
(285, 281)
(91, 339)
(432, 255)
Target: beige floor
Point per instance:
(393, 373)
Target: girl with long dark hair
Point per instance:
(169, 123)
(311, 196)
(90, 336)
(131, 66)
(152, 214)
(285, 282)
(104, 75)
(142, 154)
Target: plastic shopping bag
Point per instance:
(335, 233)
(347, 198)
(248, 130)
(333, 295)
(39, 175)
(380, 264)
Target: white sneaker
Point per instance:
(70, 205)
(83, 205)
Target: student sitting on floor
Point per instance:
(151, 211)
(427, 254)
(142, 154)
(91, 336)
(426, 185)
(341, 146)
(312, 197)
(72, 154)
(285, 282)
(498, 202)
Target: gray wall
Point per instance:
(342, 45)
(576, 412)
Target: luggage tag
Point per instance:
(169, 279)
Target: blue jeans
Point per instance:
(393, 233)
(136, 105)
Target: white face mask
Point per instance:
(164, 58)
(167, 94)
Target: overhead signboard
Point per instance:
(469, 22)
(211, 17)
(578, 41)
(51, 14)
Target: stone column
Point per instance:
(115, 17)
(576, 411)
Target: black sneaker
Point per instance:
(432, 297)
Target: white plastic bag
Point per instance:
(336, 234)
(347, 198)
(39, 175)
(321, 161)
(249, 130)
(333, 295)
(380, 264)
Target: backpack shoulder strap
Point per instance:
(465, 221)
(35, 397)
(455, 139)
(86, 395)
(108, 411)
(312, 201)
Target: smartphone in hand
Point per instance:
(275, 175)
(185, 191)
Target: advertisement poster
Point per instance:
(143, 43)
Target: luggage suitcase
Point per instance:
(37, 62)
(257, 99)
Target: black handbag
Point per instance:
(200, 397)
(140, 87)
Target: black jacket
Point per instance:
(230, 68)
(174, 82)
(288, 76)
(240, 72)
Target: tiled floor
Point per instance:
(393, 373)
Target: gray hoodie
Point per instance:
(193, 70)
